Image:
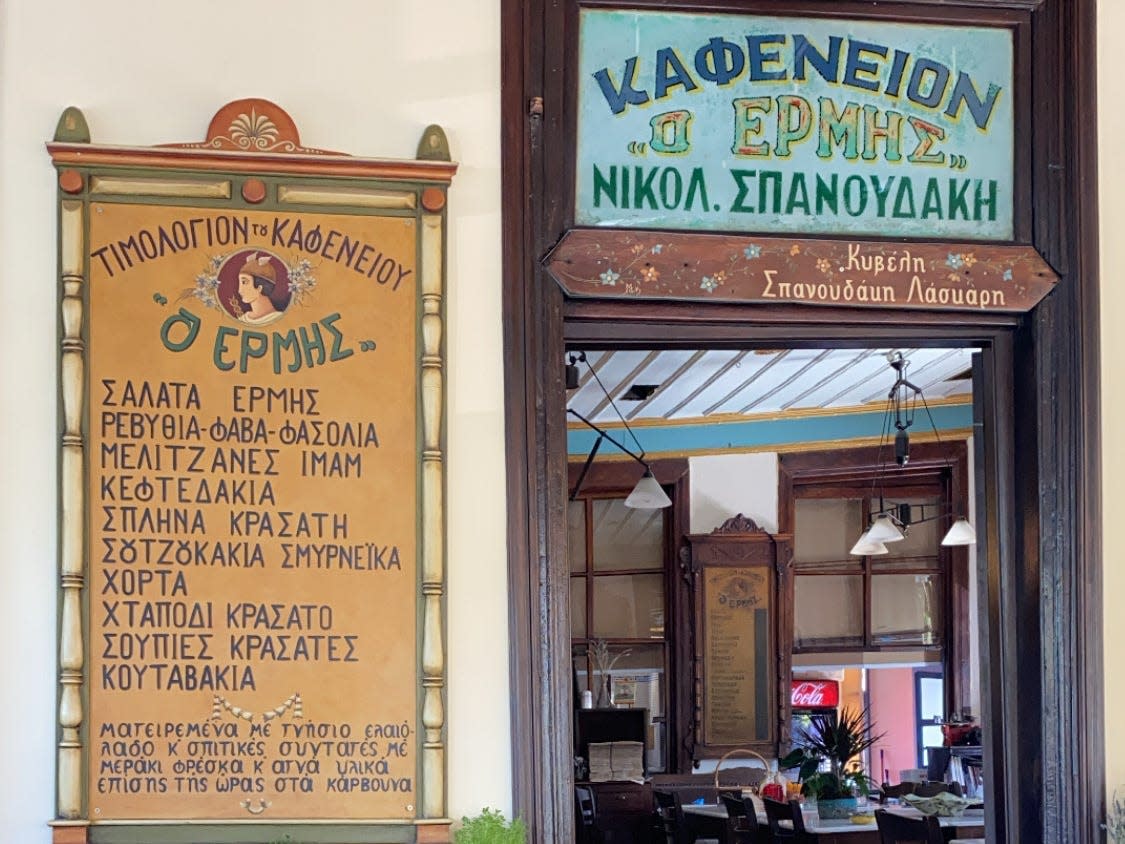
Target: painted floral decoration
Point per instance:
(609, 277)
(1007, 274)
(253, 130)
(954, 261)
(657, 248)
(650, 273)
(824, 265)
(206, 287)
(709, 283)
(795, 249)
(752, 251)
(301, 281)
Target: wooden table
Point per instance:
(846, 832)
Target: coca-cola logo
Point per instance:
(815, 693)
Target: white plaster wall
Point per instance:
(1111, 209)
(359, 76)
(725, 484)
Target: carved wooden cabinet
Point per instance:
(742, 605)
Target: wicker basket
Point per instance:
(738, 751)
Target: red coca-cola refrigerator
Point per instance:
(813, 697)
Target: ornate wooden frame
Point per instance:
(250, 170)
(1039, 408)
(735, 545)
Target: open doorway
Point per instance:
(797, 440)
(1037, 385)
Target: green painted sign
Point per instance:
(796, 125)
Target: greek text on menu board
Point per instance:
(252, 503)
(737, 617)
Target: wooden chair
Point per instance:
(742, 819)
(932, 789)
(777, 812)
(896, 829)
(670, 813)
(890, 792)
(586, 811)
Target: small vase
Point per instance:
(835, 809)
(601, 699)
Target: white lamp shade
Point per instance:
(865, 546)
(648, 494)
(883, 529)
(961, 533)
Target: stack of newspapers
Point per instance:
(616, 760)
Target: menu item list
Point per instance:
(252, 511)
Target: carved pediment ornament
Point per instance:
(738, 524)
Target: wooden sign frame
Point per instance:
(742, 630)
(251, 165)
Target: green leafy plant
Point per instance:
(836, 746)
(1115, 819)
(490, 827)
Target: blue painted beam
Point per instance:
(767, 434)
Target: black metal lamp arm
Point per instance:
(640, 458)
(602, 435)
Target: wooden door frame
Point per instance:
(1041, 417)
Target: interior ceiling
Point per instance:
(698, 384)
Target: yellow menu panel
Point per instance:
(736, 701)
(253, 489)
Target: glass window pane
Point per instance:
(625, 538)
(905, 608)
(581, 670)
(931, 703)
(826, 529)
(578, 608)
(829, 608)
(576, 536)
(931, 737)
(629, 606)
(922, 538)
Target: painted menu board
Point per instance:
(261, 491)
(253, 489)
(794, 125)
(737, 705)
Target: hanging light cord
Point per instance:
(881, 467)
(919, 395)
(613, 404)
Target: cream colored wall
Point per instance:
(1111, 208)
(723, 485)
(360, 76)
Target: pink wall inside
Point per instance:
(891, 693)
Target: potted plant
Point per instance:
(826, 755)
(490, 827)
(1115, 819)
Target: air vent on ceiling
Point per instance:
(639, 392)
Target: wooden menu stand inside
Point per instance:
(742, 599)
